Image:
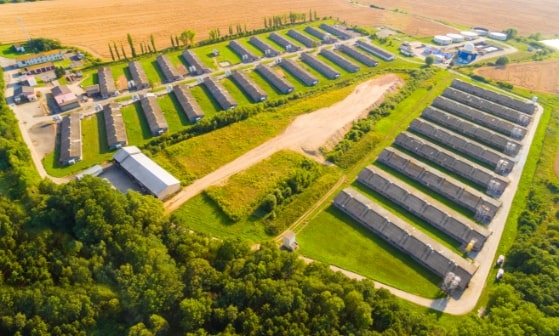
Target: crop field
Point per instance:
(92, 25)
(536, 76)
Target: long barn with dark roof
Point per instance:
(297, 71)
(264, 47)
(245, 55)
(322, 36)
(170, 72)
(138, 75)
(107, 86)
(188, 103)
(249, 86)
(302, 38)
(154, 115)
(342, 35)
(280, 83)
(425, 250)
(361, 57)
(285, 43)
(339, 60)
(70, 140)
(218, 92)
(114, 126)
(377, 51)
(320, 66)
(195, 65)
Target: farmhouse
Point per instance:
(64, 97)
(249, 86)
(170, 72)
(280, 83)
(340, 33)
(320, 66)
(34, 59)
(305, 40)
(148, 174)
(195, 65)
(154, 115)
(361, 57)
(107, 86)
(377, 51)
(222, 96)
(267, 49)
(322, 36)
(302, 74)
(70, 140)
(285, 43)
(138, 75)
(24, 94)
(421, 205)
(339, 60)
(114, 125)
(242, 51)
(189, 105)
(425, 250)
(39, 68)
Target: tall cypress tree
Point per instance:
(131, 42)
(111, 50)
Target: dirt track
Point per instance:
(307, 133)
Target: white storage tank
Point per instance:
(469, 35)
(456, 38)
(498, 36)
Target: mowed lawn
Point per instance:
(335, 238)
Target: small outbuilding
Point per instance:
(289, 241)
(64, 97)
(148, 174)
(24, 94)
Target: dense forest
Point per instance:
(84, 259)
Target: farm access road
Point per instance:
(306, 134)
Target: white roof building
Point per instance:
(455, 37)
(442, 40)
(498, 36)
(469, 35)
(147, 173)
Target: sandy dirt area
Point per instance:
(91, 25)
(537, 76)
(307, 133)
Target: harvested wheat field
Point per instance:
(527, 16)
(92, 24)
(537, 76)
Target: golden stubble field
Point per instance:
(537, 76)
(91, 25)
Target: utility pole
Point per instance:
(23, 28)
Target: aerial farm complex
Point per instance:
(452, 167)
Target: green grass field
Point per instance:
(245, 191)
(137, 127)
(176, 119)
(203, 154)
(334, 238)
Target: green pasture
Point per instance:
(137, 127)
(176, 119)
(336, 239)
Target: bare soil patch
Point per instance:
(306, 134)
(537, 76)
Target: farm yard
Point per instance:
(364, 137)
